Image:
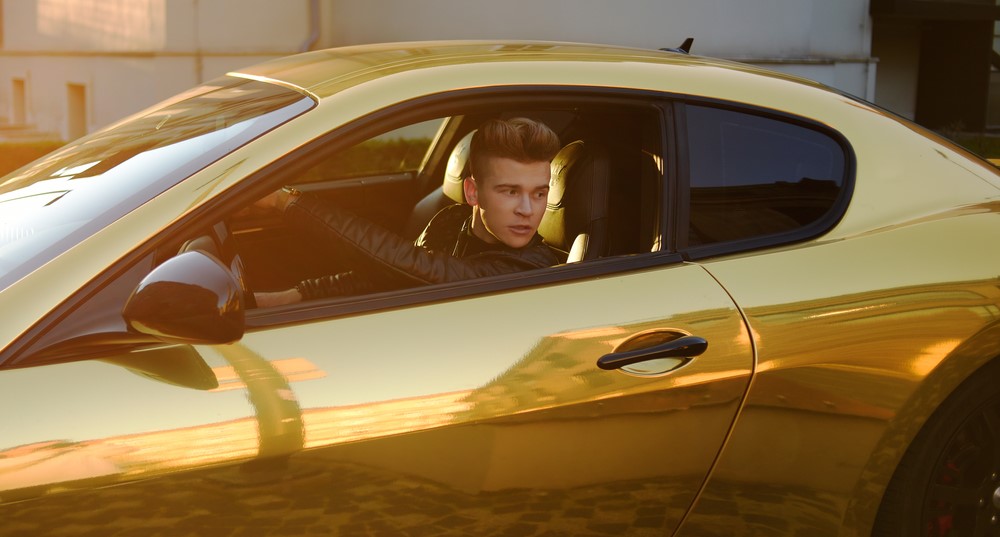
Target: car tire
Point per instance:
(948, 482)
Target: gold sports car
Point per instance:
(779, 312)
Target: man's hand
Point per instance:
(277, 200)
(277, 298)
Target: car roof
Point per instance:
(352, 82)
(326, 72)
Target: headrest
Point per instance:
(564, 159)
(457, 170)
(578, 200)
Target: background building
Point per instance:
(68, 67)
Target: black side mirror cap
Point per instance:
(191, 298)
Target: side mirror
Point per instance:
(179, 365)
(191, 298)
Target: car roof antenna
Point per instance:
(685, 47)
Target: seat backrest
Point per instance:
(450, 191)
(576, 216)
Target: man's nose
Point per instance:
(525, 207)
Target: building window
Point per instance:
(76, 95)
(19, 113)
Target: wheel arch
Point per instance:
(979, 355)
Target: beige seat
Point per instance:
(576, 216)
(450, 191)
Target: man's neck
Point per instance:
(469, 243)
(478, 229)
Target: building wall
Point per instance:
(129, 54)
(823, 40)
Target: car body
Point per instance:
(787, 321)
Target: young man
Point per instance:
(496, 233)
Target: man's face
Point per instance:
(509, 201)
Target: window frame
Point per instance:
(477, 99)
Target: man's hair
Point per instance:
(520, 139)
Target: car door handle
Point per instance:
(682, 347)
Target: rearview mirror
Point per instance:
(191, 298)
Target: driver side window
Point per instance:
(601, 202)
(400, 150)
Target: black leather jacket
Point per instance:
(446, 251)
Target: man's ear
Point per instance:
(471, 192)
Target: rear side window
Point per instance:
(754, 177)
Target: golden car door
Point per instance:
(491, 412)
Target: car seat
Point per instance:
(450, 191)
(576, 216)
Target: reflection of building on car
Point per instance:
(721, 214)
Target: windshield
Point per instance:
(60, 199)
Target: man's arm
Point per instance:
(277, 298)
(397, 257)
(402, 263)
